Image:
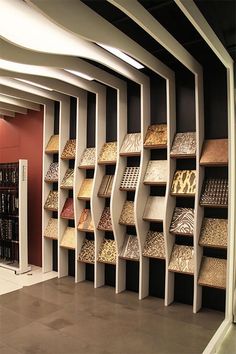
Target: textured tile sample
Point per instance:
(108, 154)
(156, 172)
(130, 249)
(69, 150)
(88, 158)
(52, 173)
(127, 213)
(184, 145)
(68, 209)
(214, 233)
(105, 222)
(154, 209)
(184, 183)
(106, 186)
(51, 230)
(215, 192)
(107, 252)
(154, 246)
(182, 221)
(213, 272)
(87, 253)
(52, 201)
(156, 136)
(85, 191)
(53, 145)
(182, 259)
(130, 178)
(131, 145)
(85, 221)
(68, 238)
(215, 152)
(68, 179)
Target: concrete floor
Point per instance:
(61, 317)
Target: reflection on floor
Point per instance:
(228, 345)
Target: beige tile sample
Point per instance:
(87, 253)
(182, 259)
(154, 246)
(184, 145)
(130, 249)
(214, 233)
(130, 179)
(52, 201)
(154, 209)
(127, 213)
(88, 159)
(85, 221)
(156, 172)
(69, 150)
(53, 145)
(156, 136)
(105, 222)
(106, 186)
(85, 191)
(184, 183)
(68, 179)
(52, 173)
(131, 145)
(107, 252)
(213, 272)
(51, 230)
(68, 238)
(108, 154)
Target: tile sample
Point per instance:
(154, 209)
(106, 186)
(184, 183)
(69, 150)
(107, 252)
(85, 191)
(52, 201)
(214, 233)
(53, 145)
(87, 253)
(52, 173)
(68, 210)
(68, 238)
(51, 230)
(182, 259)
(131, 145)
(184, 145)
(127, 213)
(215, 152)
(88, 158)
(213, 272)
(85, 221)
(215, 193)
(130, 249)
(156, 172)
(182, 221)
(154, 246)
(68, 179)
(108, 154)
(105, 222)
(156, 136)
(130, 179)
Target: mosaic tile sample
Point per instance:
(131, 145)
(182, 221)
(184, 145)
(154, 209)
(68, 238)
(53, 145)
(107, 252)
(182, 259)
(130, 249)
(87, 253)
(184, 183)
(52, 201)
(127, 213)
(213, 272)
(108, 154)
(215, 192)
(85, 221)
(68, 209)
(52, 173)
(68, 179)
(156, 136)
(154, 246)
(51, 230)
(106, 186)
(105, 222)
(215, 152)
(69, 150)
(214, 233)
(85, 191)
(156, 172)
(88, 158)
(130, 178)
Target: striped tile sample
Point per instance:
(107, 252)
(87, 253)
(69, 150)
(215, 192)
(85, 221)
(154, 209)
(131, 145)
(127, 213)
(68, 209)
(156, 136)
(130, 178)
(68, 238)
(52, 173)
(52, 201)
(106, 186)
(53, 145)
(88, 158)
(108, 154)
(215, 152)
(154, 246)
(156, 172)
(182, 221)
(214, 233)
(213, 272)
(85, 191)
(130, 249)
(184, 183)
(105, 222)
(68, 179)
(51, 230)
(182, 259)
(184, 145)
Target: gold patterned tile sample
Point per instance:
(88, 159)
(215, 193)
(105, 222)
(52, 201)
(154, 246)
(182, 259)
(85, 191)
(107, 252)
(87, 253)
(68, 179)
(68, 238)
(130, 179)
(156, 136)
(108, 154)
(214, 233)
(213, 272)
(184, 145)
(127, 213)
(106, 186)
(131, 145)
(184, 183)
(156, 172)
(51, 230)
(182, 221)
(52, 173)
(154, 209)
(130, 249)
(215, 152)
(53, 145)
(69, 150)
(85, 221)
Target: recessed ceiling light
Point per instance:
(78, 73)
(34, 84)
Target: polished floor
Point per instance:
(61, 317)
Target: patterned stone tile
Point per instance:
(213, 272)
(182, 259)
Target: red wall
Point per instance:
(22, 138)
